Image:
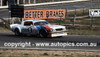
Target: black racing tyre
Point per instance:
(42, 34)
(17, 32)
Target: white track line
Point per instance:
(58, 49)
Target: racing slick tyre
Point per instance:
(42, 34)
(17, 32)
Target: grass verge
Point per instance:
(2, 29)
(39, 53)
(83, 32)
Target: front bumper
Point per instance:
(57, 34)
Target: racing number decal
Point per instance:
(44, 14)
(29, 29)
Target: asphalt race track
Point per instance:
(11, 38)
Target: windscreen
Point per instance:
(41, 23)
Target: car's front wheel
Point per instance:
(42, 34)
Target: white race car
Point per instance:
(40, 28)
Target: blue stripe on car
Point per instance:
(39, 27)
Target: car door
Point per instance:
(27, 27)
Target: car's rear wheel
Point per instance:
(42, 33)
(17, 32)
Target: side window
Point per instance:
(28, 23)
(96, 11)
(37, 23)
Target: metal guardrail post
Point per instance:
(91, 18)
(74, 20)
(17, 1)
(34, 1)
(29, 1)
(1, 2)
(23, 1)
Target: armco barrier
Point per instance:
(48, 3)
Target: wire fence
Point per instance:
(79, 19)
(74, 19)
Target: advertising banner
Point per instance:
(44, 14)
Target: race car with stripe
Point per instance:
(39, 28)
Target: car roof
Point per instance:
(35, 20)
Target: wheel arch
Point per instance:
(18, 29)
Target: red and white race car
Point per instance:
(38, 27)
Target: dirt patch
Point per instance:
(39, 53)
